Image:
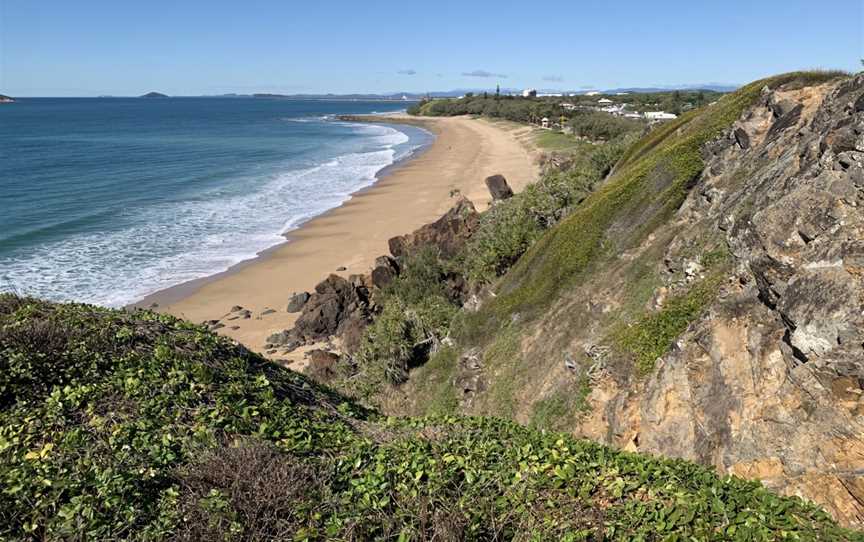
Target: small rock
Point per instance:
(298, 301)
(341, 268)
(214, 327)
(267, 311)
(236, 308)
(234, 328)
(154, 305)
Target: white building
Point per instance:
(545, 122)
(592, 93)
(604, 101)
(529, 93)
(660, 115)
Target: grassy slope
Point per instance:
(117, 425)
(540, 304)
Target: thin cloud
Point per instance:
(407, 72)
(483, 73)
(587, 87)
(553, 78)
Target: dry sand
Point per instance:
(410, 195)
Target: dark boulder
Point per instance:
(498, 187)
(448, 234)
(742, 138)
(336, 305)
(385, 271)
(298, 301)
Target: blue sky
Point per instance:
(92, 47)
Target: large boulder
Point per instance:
(498, 187)
(448, 234)
(385, 271)
(336, 306)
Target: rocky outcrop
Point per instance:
(447, 235)
(385, 271)
(769, 383)
(297, 302)
(339, 307)
(498, 187)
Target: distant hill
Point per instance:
(154, 95)
(6, 99)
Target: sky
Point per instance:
(192, 47)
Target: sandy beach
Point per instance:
(409, 195)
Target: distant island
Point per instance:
(154, 95)
(6, 99)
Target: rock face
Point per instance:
(331, 309)
(447, 234)
(498, 187)
(770, 382)
(297, 302)
(385, 271)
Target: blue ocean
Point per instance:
(108, 200)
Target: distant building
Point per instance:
(529, 93)
(604, 101)
(660, 115)
(550, 95)
(592, 93)
(545, 122)
(568, 106)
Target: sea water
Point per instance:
(108, 200)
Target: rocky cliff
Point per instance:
(706, 302)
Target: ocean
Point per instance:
(107, 200)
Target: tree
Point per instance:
(497, 91)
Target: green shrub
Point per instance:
(509, 228)
(144, 427)
(601, 125)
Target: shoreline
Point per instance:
(178, 292)
(405, 195)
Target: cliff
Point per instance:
(705, 302)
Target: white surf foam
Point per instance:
(172, 243)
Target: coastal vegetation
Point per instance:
(532, 109)
(134, 425)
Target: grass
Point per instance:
(118, 425)
(549, 140)
(652, 335)
(649, 183)
(559, 410)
